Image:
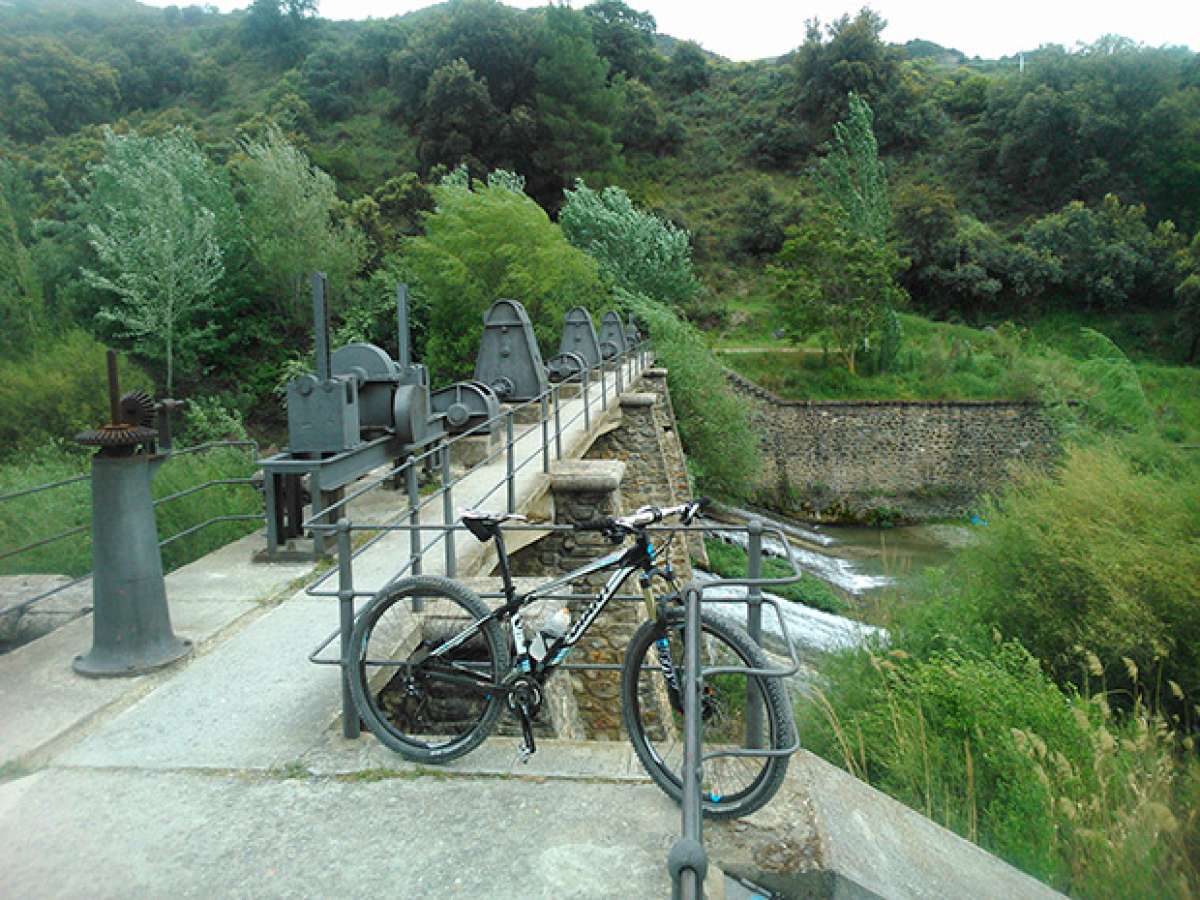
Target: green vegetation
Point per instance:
(1048, 220)
(482, 243)
(729, 561)
(38, 516)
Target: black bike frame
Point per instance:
(624, 563)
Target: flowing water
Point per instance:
(860, 563)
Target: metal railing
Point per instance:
(687, 861)
(81, 529)
(626, 366)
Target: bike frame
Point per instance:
(624, 562)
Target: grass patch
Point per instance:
(32, 518)
(729, 561)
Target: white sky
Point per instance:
(753, 29)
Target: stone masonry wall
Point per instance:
(873, 460)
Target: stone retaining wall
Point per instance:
(879, 460)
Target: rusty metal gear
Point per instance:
(120, 434)
(138, 408)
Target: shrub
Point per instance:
(985, 743)
(41, 515)
(722, 448)
(482, 244)
(1102, 555)
(55, 390)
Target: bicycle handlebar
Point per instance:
(646, 515)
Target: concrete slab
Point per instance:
(827, 834)
(255, 703)
(43, 699)
(120, 834)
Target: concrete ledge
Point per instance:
(827, 834)
(578, 476)
(633, 399)
(654, 372)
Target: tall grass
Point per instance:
(1096, 802)
(37, 516)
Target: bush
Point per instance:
(722, 448)
(1103, 555)
(983, 742)
(483, 244)
(41, 515)
(55, 390)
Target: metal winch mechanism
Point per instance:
(579, 349)
(509, 361)
(468, 407)
(359, 410)
(613, 341)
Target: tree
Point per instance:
(20, 293)
(851, 177)
(835, 279)
(46, 89)
(290, 210)
(1107, 255)
(687, 70)
(575, 105)
(623, 36)
(156, 244)
(635, 250)
(1187, 299)
(459, 120)
(484, 242)
(279, 26)
(837, 272)
(854, 60)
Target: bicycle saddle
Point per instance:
(484, 524)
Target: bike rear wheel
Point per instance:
(652, 710)
(417, 704)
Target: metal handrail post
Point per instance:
(557, 422)
(603, 389)
(448, 514)
(687, 861)
(587, 410)
(754, 707)
(509, 462)
(350, 723)
(545, 413)
(620, 373)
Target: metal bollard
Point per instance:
(351, 727)
(687, 861)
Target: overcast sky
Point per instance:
(753, 29)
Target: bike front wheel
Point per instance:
(652, 709)
(428, 708)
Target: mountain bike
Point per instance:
(433, 667)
